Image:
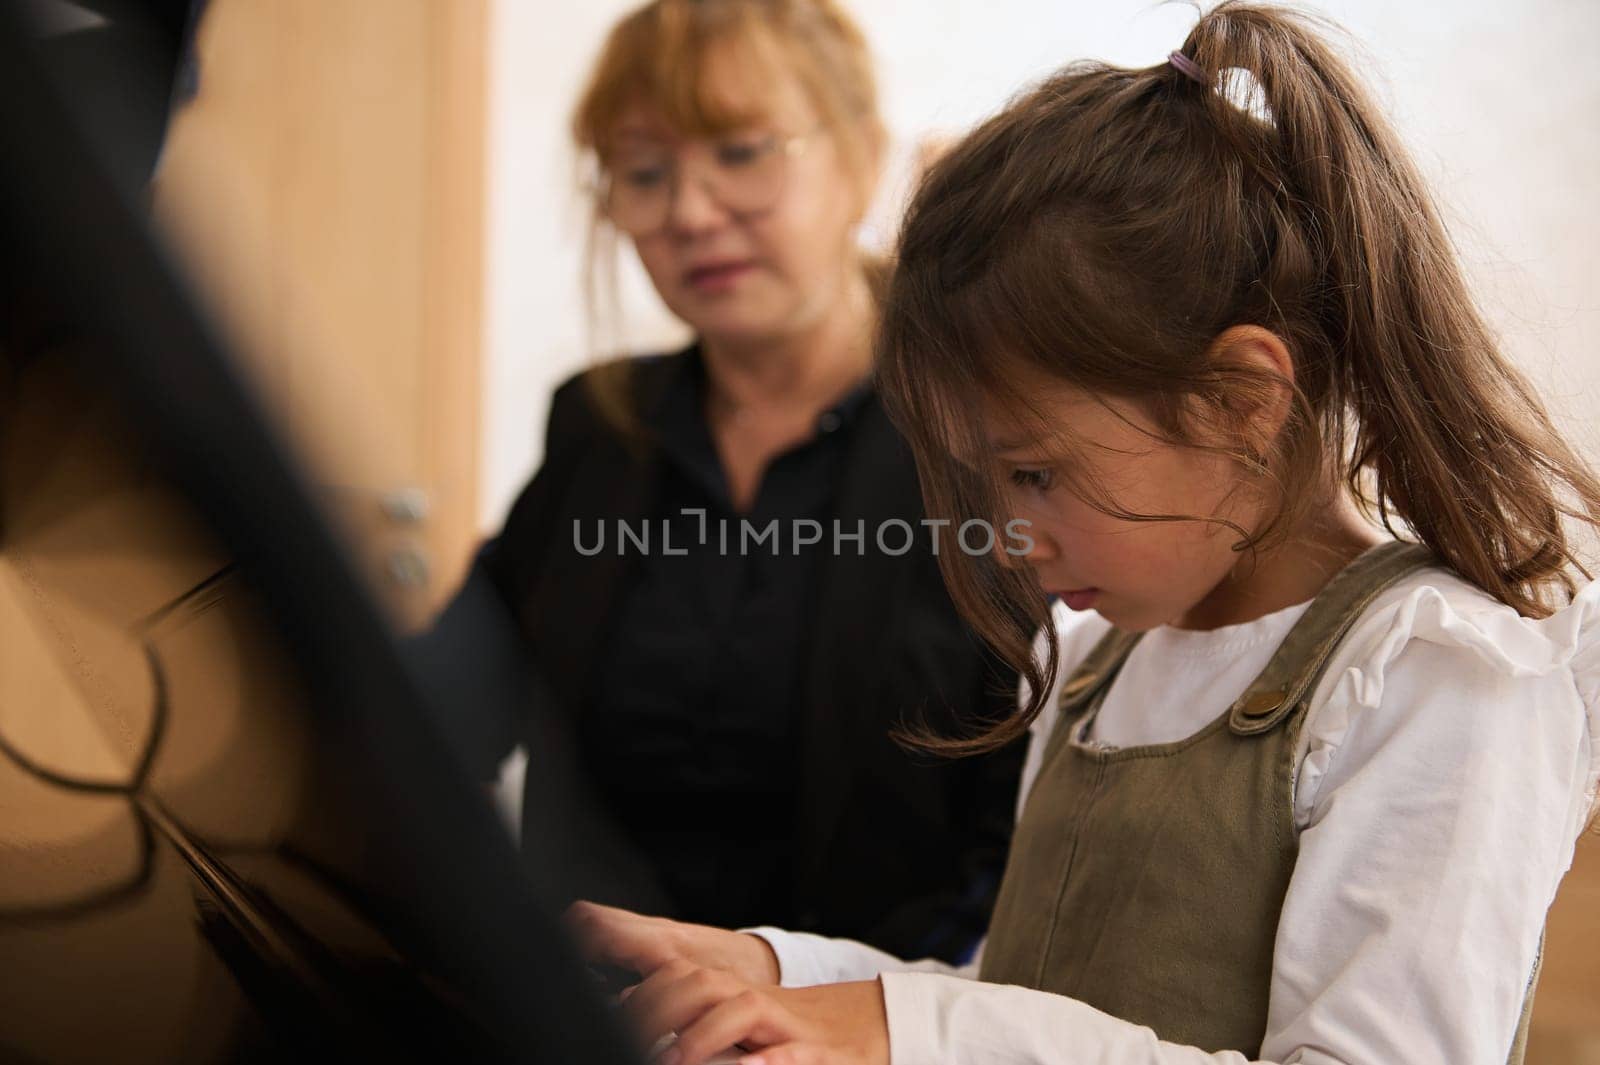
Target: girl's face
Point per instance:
(1137, 574)
(756, 275)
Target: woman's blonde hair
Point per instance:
(659, 54)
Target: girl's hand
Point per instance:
(646, 944)
(834, 1024)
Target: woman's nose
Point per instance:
(693, 209)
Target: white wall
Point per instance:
(1500, 101)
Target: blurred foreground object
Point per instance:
(227, 829)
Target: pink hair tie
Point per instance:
(1189, 68)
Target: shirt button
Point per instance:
(828, 422)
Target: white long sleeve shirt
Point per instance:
(1447, 764)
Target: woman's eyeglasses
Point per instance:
(745, 174)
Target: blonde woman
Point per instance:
(722, 571)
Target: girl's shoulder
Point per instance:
(1436, 656)
(1437, 608)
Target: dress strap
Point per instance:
(1301, 658)
(1092, 679)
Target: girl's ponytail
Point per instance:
(1435, 427)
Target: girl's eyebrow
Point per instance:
(1000, 447)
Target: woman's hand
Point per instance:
(646, 944)
(834, 1024)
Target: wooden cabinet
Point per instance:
(326, 189)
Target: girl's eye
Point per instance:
(1037, 480)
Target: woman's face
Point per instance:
(1137, 574)
(760, 275)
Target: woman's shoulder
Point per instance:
(582, 397)
(580, 426)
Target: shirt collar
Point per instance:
(685, 436)
(683, 403)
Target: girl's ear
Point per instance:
(1256, 375)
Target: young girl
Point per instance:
(1298, 791)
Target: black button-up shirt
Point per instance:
(692, 733)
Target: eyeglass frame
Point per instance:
(787, 148)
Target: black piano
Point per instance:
(228, 830)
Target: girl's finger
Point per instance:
(639, 1006)
(593, 926)
(795, 1054)
(670, 999)
(618, 937)
(749, 1018)
(581, 916)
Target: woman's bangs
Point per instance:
(703, 81)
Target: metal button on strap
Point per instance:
(1262, 704)
(1076, 686)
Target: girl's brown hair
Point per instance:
(1111, 223)
(659, 54)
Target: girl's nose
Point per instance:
(1042, 549)
(1024, 543)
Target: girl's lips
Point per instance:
(717, 277)
(1079, 598)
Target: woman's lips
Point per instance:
(1079, 598)
(717, 277)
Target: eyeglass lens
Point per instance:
(743, 173)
